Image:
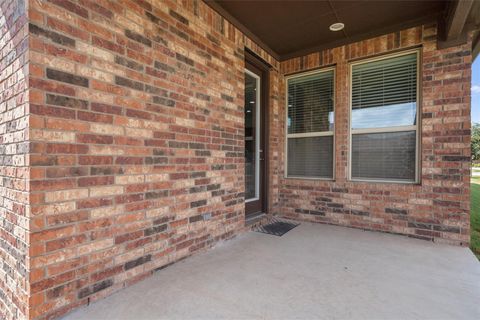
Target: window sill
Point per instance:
(385, 181)
(308, 178)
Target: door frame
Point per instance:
(252, 61)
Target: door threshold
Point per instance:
(253, 218)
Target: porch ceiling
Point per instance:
(288, 29)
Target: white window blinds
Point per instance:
(385, 82)
(310, 103)
(310, 121)
(384, 119)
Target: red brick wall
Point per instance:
(137, 142)
(436, 209)
(13, 160)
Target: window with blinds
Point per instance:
(384, 118)
(310, 121)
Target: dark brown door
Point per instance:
(255, 134)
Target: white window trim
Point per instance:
(257, 137)
(309, 134)
(388, 129)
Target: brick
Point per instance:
(95, 160)
(395, 211)
(128, 63)
(54, 148)
(66, 195)
(99, 286)
(129, 83)
(137, 262)
(53, 136)
(105, 191)
(66, 101)
(227, 97)
(66, 218)
(94, 139)
(184, 59)
(94, 117)
(155, 229)
(60, 26)
(52, 87)
(95, 181)
(164, 67)
(65, 242)
(52, 111)
(94, 246)
(94, 203)
(179, 17)
(67, 77)
(138, 37)
(198, 203)
(53, 36)
(105, 108)
(65, 53)
(52, 281)
(109, 45)
(164, 101)
(66, 172)
(456, 158)
(105, 10)
(71, 7)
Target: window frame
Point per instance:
(416, 127)
(310, 134)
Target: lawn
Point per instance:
(475, 216)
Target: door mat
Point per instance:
(276, 227)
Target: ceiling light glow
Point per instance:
(337, 26)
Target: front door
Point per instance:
(254, 142)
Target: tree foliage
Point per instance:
(476, 141)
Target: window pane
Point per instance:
(310, 103)
(388, 156)
(384, 92)
(251, 137)
(310, 157)
(385, 116)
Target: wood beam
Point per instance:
(456, 19)
(476, 45)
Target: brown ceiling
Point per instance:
(292, 28)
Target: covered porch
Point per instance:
(137, 133)
(312, 272)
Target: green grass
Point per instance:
(475, 216)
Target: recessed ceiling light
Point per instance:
(337, 26)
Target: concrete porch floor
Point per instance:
(312, 272)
